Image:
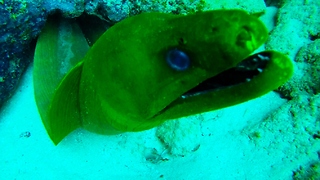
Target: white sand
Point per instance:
(226, 153)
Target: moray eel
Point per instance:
(150, 68)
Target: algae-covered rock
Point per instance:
(180, 137)
(20, 22)
(306, 77)
(297, 20)
(252, 6)
(311, 171)
(290, 135)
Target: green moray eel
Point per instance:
(126, 81)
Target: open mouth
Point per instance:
(241, 73)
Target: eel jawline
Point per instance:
(241, 73)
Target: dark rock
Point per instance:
(20, 23)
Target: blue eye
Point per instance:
(178, 60)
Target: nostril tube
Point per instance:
(246, 40)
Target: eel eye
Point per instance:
(178, 60)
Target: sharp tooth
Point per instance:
(264, 58)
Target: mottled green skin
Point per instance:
(137, 83)
(124, 83)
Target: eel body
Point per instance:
(150, 68)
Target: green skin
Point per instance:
(123, 83)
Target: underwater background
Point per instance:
(271, 137)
